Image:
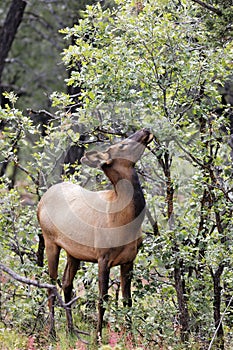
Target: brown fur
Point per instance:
(101, 227)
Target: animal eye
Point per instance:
(122, 146)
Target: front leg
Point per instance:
(51, 303)
(126, 277)
(53, 252)
(103, 275)
(71, 268)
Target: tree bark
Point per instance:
(8, 32)
(182, 302)
(165, 160)
(32, 282)
(216, 276)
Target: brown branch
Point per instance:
(209, 7)
(153, 222)
(194, 159)
(35, 283)
(42, 111)
(35, 181)
(109, 132)
(38, 284)
(24, 279)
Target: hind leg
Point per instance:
(52, 252)
(71, 268)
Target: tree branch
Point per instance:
(38, 284)
(42, 111)
(34, 179)
(209, 7)
(34, 283)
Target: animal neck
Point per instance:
(127, 187)
(138, 197)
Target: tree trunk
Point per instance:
(182, 302)
(8, 33)
(216, 276)
(165, 161)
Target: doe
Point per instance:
(102, 227)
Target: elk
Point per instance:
(102, 227)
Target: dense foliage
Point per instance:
(165, 65)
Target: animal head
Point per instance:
(130, 150)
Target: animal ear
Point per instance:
(96, 159)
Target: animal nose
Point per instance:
(143, 136)
(146, 130)
(148, 135)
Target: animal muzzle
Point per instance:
(143, 136)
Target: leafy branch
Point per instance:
(209, 7)
(37, 284)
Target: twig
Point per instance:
(194, 159)
(42, 111)
(104, 131)
(36, 181)
(153, 222)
